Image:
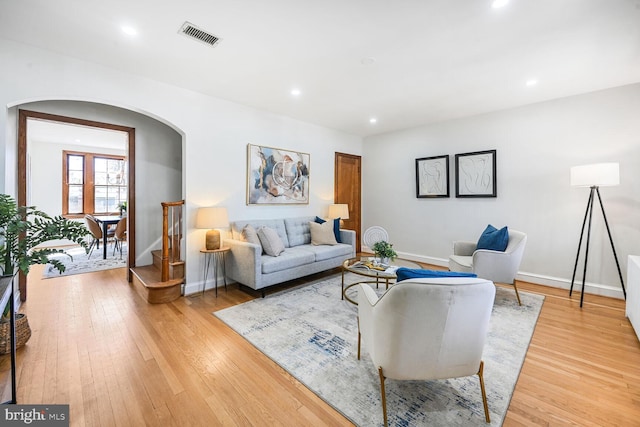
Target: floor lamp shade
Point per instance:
(598, 175)
(339, 211)
(212, 218)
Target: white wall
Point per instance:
(215, 134)
(536, 147)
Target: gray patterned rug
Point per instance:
(312, 333)
(79, 262)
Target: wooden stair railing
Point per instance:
(162, 281)
(171, 212)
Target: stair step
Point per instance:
(147, 281)
(176, 268)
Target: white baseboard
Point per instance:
(538, 279)
(195, 288)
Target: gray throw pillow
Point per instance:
(250, 235)
(271, 242)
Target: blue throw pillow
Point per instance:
(404, 273)
(336, 227)
(494, 239)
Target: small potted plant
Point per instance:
(384, 251)
(122, 207)
(22, 229)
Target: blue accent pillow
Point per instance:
(336, 227)
(494, 239)
(404, 273)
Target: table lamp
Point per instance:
(594, 176)
(340, 210)
(212, 218)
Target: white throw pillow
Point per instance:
(271, 242)
(322, 234)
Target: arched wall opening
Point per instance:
(156, 166)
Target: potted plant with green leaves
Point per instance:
(122, 207)
(22, 230)
(384, 251)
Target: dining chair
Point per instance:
(120, 236)
(96, 233)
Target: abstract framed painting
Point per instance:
(276, 176)
(432, 177)
(476, 174)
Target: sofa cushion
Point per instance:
(404, 273)
(324, 252)
(322, 234)
(336, 227)
(298, 231)
(494, 239)
(276, 224)
(271, 242)
(290, 258)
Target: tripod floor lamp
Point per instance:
(594, 176)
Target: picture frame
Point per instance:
(432, 177)
(277, 176)
(476, 174)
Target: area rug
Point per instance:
(76, 261)
(312, 334)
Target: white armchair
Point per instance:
(426, 329)
(499, 267)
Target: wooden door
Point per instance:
(347, 189)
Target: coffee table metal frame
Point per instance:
(379, 275)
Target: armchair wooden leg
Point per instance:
(384, 397)
(484, 393)
(517, 294)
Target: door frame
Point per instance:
(336, 192)
(23, 115)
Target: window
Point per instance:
(93, 183)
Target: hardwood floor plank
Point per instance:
(118, 360)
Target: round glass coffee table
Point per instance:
(377, 273)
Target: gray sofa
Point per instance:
(247, 265)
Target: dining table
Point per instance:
(106, 221)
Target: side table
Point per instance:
(213, 258)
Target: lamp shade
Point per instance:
(339, 211)
(210, 218)
(598, 175)
(215, 217)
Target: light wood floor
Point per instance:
(117, 360)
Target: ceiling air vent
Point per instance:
(191, 31)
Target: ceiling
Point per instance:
(404, 62)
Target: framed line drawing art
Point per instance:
(432, 177)
(276, 176)
(476, 174)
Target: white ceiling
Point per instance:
(433, 60)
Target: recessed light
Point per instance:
(496, 4)
(373, 120)
(531, 82)
(129, 30)
(368, 61)
(295, 92)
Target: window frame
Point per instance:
(88, 191)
